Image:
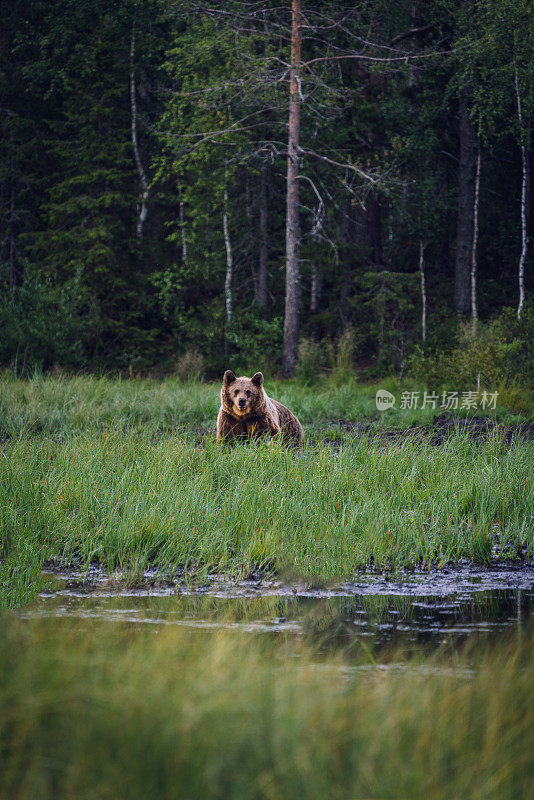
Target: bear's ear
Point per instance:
(229, 376)
(257, 379)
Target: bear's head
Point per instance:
(242, 397)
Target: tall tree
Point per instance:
(497, 65)
(524, 136)
(291, 320)
(466, 210)
(474, 251)
(229, 263)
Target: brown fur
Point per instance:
(247, 412)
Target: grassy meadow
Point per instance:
(60, 407)
(127, 473)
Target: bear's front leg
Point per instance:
(229, 428)
(262, 427)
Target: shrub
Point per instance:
(255, 343)
(499, 353)
(310, 361)
(190, 365)
(40, 326)
(342, 353)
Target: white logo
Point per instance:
(384, 400)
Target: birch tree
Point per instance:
(145, 188)
(498, 66)
(423, 288)
(476, 205)
(525, 175)
(229, 265)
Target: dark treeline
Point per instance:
(219, 180)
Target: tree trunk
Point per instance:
(374, 223)
(229, 268)
(145, 190)
(524, 199)
(261, 285)
(423, 288)
(474, 306)
(465, 219)
(413, 73)
(291, 320)
(12, 273)
(181, 217)
(316, 289)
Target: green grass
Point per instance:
(128, 500)
(108, 711)
(115, 471)
(62, 406)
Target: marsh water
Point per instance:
(405, 611)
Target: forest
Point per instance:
(186, 185)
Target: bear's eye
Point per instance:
(236, 392)
(248, 392)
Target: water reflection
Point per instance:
(374, 612)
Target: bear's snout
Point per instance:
(242, 402)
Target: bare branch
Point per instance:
(360, 57)
(319, 214)
(352, 167)
(413, 32)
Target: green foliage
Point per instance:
(310, 363)
(496, 41)
(498, 353)
(385, 317)
(255, 341)
(70, 190)
(189, 367)
(342, 354)
(332, 358)
(41, 325)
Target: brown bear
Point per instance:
(247, 412)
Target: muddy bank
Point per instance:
(335, 432)
(441, 430)
(323, 431)
(462, 579)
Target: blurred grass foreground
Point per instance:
(112, 712)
